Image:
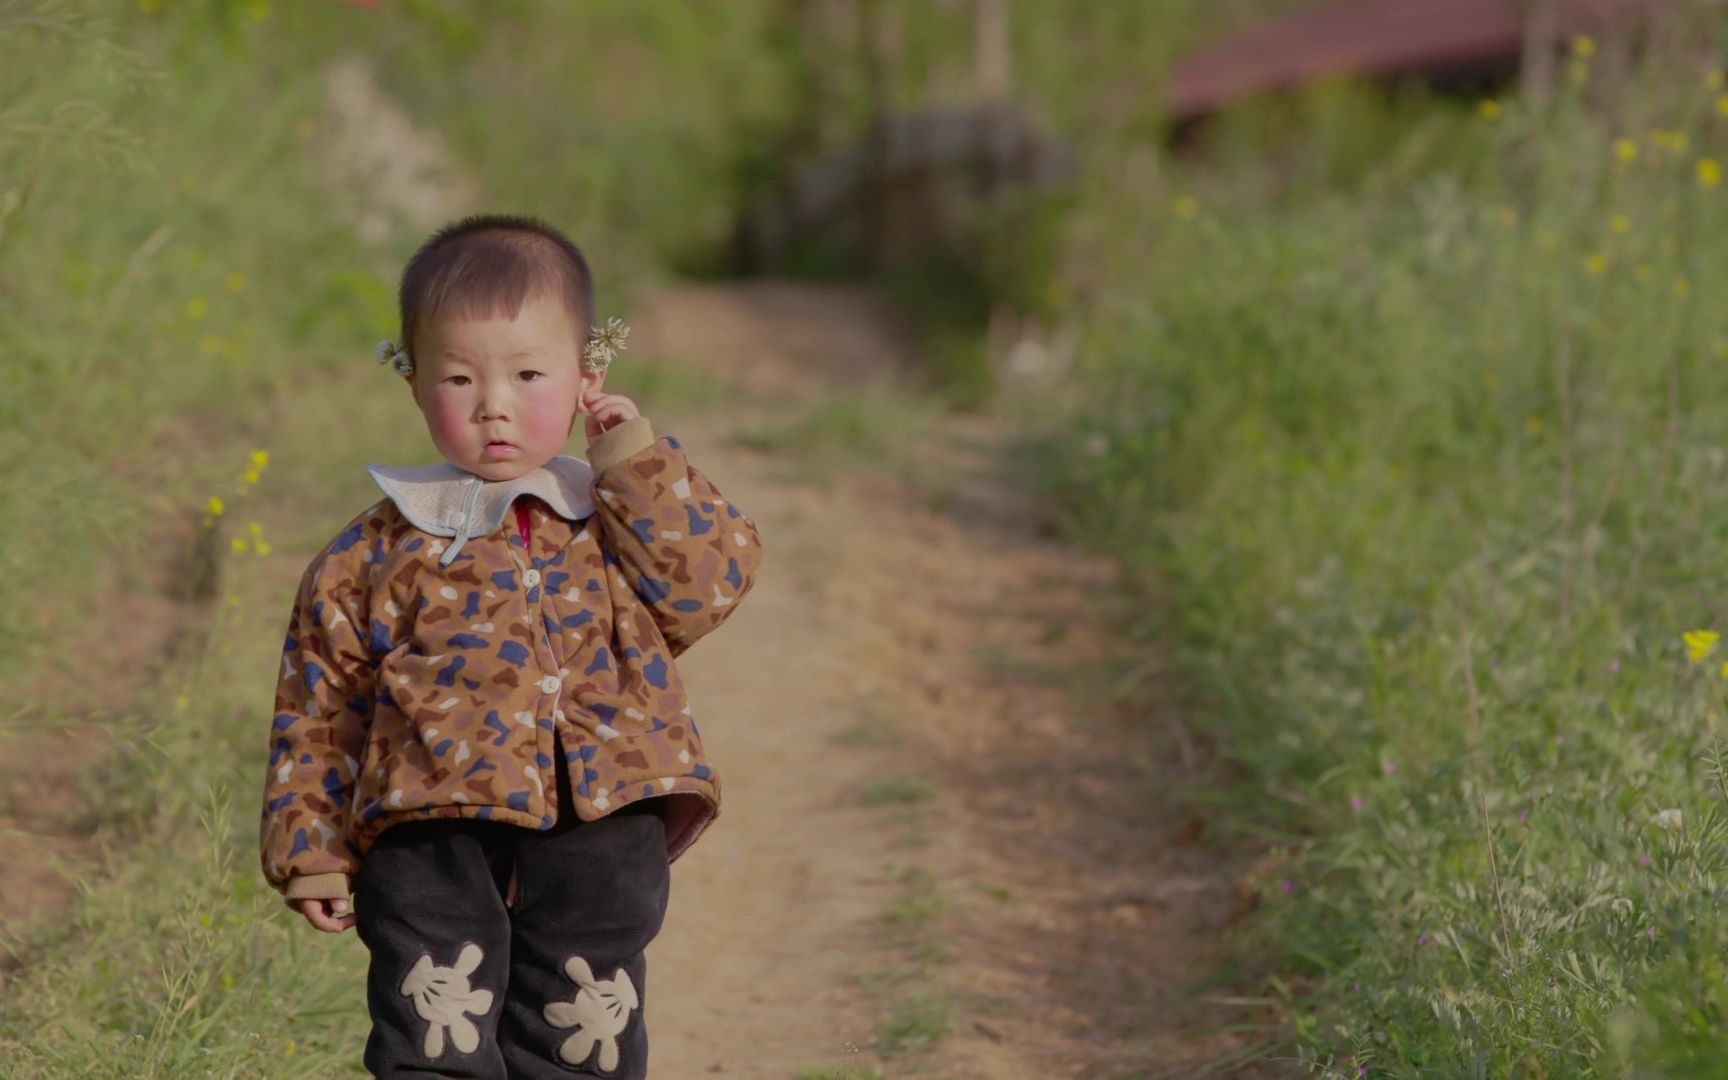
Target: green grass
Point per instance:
(1413, 445)
(842, 1072)
(897, 790)
(849, 433)
(917, 1022)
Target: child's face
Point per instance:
(500, 395)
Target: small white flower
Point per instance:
(1670, 820)
(1622, 906)
(389, 352)
(607, 343)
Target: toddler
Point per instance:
(479, 730)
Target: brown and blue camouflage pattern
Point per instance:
(411, 691)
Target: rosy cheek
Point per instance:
(547, 417)
(448, 420)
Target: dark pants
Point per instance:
(462, 986)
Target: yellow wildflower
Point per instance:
(236, 282)
(251, 476)
(1533, 425)
(1641, 271)
(254, 528)
(233, 600)
(1584, 46)
(1626, 150)
(1489, 108)
(215, 506)
(210, 344)
(238, 543)
(261, 547)
(258, 9)
(197, 308)
(1700, 643)
(260, 458)
(1620, 223)
(1596, 265)
(1186, 207)
(1682, 287)
(1709, 173)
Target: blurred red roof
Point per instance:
(1373, 37)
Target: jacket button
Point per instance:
(549, 685)
(530, 578)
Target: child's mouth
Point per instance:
(500, 449)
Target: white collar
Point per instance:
(448, 500)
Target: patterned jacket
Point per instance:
(432, 655)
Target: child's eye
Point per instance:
(530, 375)
(458, 380)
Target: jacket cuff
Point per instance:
(331, 886)
(617, 443)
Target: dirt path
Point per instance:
(931, 860)
(938, 856)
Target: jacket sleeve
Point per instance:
(688, 553)
(324, 696)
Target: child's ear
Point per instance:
(591, 381)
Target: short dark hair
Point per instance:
(486, 266)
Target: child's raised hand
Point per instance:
(324, 914)
(606, 411)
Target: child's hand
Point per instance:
(605, 411)
(323, 914)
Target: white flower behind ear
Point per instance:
(389, 352)
(606, 344)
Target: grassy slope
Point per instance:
(1417, 423)
(174, 269)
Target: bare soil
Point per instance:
(938, 647)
